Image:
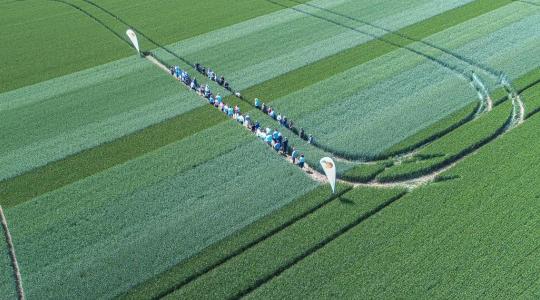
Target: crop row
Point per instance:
(365, 172)
(234, 245)
(88, 43)
(277, 253)
(151, 213)
(468, 237)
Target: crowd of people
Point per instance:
(283, 121)
(274, 139)
(213, 76)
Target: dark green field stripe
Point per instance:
(310, 74)
(57, 174)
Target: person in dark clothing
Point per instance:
(172, 70)
(302, 133)
(285, 146)
(264, 108)
(198, 67)
(226, 85)
(221, 80)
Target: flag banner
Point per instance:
(133, 37)
(329, 168)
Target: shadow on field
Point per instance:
(346, 201)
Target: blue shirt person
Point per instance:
(294, 155)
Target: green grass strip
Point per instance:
(271, 257)
(52, 176)
(310, 74)
(434, 131)
(365, 173)
(234, 245)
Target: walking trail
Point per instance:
(408, 184)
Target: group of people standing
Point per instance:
(283, 121)
(274, 139)
(213, 76)
(279, 143)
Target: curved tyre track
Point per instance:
(409, 183)
(13, 256)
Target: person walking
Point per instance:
(294, 155)
(301, 161)
(285, 146)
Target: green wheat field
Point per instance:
(117, 181)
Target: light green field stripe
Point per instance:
(224, 35)
(82, 111)
(152, 212)
(246, 61)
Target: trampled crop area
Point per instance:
(119, 181)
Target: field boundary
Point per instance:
(13, 256)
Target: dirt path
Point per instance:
(12, 255)
(157, 63)
(521, 109)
